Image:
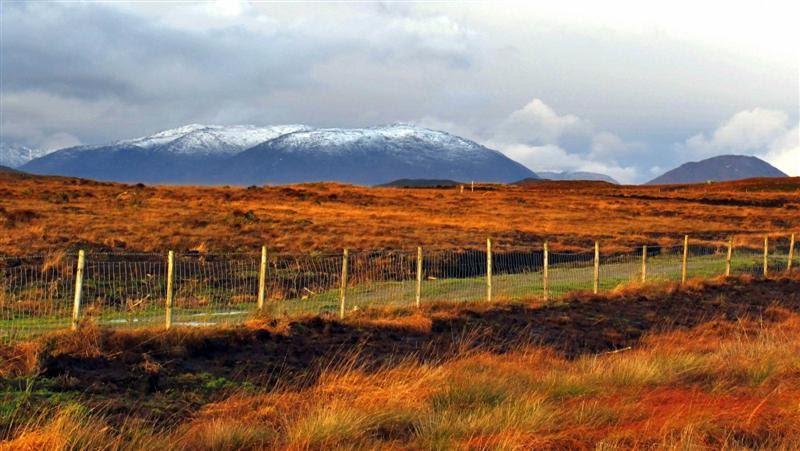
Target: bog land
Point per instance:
(46, 214)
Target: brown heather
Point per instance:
(53, 214)
(711, 364)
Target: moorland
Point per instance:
(44, 214)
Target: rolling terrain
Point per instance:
(43, 214)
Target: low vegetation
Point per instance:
(40, 214)
(712, 364)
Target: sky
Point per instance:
(624, 88)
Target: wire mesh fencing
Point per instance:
(35, 295)
(130, 290)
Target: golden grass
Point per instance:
(742, 393)
(40, 214)
(721, 385)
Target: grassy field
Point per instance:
(706, 366)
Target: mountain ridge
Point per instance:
(374, 155)
(246, 154)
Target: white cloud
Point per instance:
(537, 123)
(553, 158)
(747, 130)
(226, 8)
(761, 132)
(784, 153)
(544, 140)
(608, 145)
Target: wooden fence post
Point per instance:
(170, 280)
(546, 261)
(685, 258)
(791, 253)
(76, 306)
(728, 257)
(419, 275)
(262, 278)
(766, 255)
(488, 269)
(644, 263)
(343, 286)
(596, 267)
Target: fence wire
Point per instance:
(129, 290)
(35, 295)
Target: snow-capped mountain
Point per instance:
(342, 140)
(211, 139)
(370, 156)
(179, 155)
(245, 154)
(15, 155)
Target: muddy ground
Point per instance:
(162, 376)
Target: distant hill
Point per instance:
(6, 169)
(577, 175)
(721, 168)
(420, 183)
(248, 155)
(529, 180)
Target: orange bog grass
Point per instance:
(53, 214)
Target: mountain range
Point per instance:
(720, 169)
(245, 155)
(295, 153)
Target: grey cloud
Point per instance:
(97, 54)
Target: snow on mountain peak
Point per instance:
(162, 137)
(335, 140)
(212, 139)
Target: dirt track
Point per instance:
(161, 374)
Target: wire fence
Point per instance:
(37, 293)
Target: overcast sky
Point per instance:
(616, 87)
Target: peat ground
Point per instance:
(163, 376)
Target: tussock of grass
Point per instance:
(220, 434)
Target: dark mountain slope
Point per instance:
(370, 156)
(721, 168)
